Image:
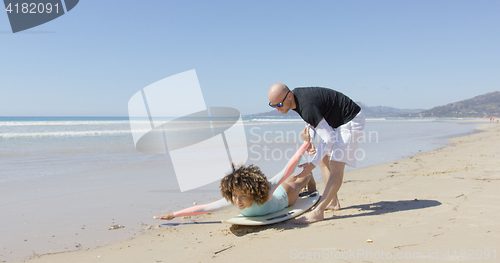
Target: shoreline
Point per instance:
(384, 191)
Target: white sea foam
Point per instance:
(63, 133)
(61, 123)
(277, 120)
(376, 119)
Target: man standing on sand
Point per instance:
(338, 121)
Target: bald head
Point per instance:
(277, 91)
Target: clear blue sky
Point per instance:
(404, 54)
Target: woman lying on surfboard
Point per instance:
(248, 190)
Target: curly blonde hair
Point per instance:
(249, 180)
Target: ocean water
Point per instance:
(65, 180)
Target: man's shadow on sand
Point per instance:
(374, 209)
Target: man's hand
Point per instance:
(307, 168)
(311, 150)
(305, 134)
(307, 138)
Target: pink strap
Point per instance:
(293, 161)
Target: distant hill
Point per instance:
(370, 112)
(384, 111)
(478, 107)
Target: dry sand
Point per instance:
(436, 206)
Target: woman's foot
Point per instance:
(310, 187)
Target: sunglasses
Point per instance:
(279, 105)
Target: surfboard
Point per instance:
(300, 206)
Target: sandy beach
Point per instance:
(436, 206)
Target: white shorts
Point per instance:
(347, 137)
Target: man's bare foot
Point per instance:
(311, 217)
(334, 204)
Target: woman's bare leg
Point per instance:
(293, 186)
